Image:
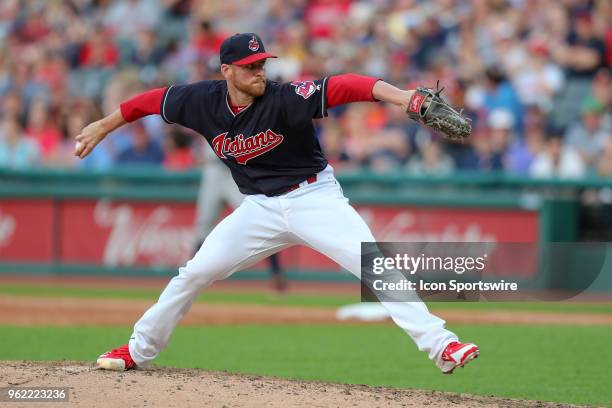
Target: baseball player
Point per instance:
(214, 192)
(263, 132)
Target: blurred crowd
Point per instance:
(535, 76)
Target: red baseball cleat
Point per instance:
(118, 359)
(458, 355)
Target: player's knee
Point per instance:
(201, 274)
(195, 278)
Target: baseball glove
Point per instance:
(439, 114)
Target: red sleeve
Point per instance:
(147, 103)
(347, 88)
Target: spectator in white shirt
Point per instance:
(557, 160)
(16, 150)
(589, 135)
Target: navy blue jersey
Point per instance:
(270, 145)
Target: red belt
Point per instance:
(309, 180)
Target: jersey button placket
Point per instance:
(233, 133)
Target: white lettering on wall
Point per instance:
(154, 237)
(7, 228)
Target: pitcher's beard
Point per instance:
(255, 89)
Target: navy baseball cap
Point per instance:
(243, 49)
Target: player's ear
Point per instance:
(226, 71)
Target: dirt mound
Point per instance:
(170, 387)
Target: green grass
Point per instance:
(303, 300)
(552, 363)
(552, 307)
(261, 298)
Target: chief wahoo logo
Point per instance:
(253, 44)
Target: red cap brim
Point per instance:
(253, 58)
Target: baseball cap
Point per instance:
(592, 105)
(243, 49)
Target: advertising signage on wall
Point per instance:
(161, 234)
(27, 229)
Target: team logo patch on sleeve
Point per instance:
(305, 88)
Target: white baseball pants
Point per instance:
(317, 215)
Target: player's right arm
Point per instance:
(95, 132)
(147, 103)
(175, 104)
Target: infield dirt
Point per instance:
(169, 387)
(26, 310)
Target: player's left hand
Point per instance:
(427, 106)
(89, 137)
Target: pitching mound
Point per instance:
(170, 387)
